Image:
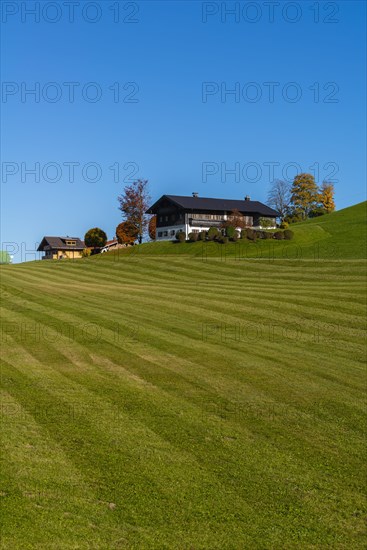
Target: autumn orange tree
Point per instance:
(326, 197)
(236, 220)
(126, 233)
(152, 227)
(304, 194)
(134, 202)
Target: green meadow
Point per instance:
(188, 396)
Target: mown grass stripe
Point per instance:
(216, 438)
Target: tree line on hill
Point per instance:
(302, 199)
(295, 202)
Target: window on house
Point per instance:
(71, 243)
(172, 232)
(166, 218)
(159, 233)
(161, 218)
(165, 234)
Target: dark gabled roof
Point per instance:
(59, 243)
(204, 203)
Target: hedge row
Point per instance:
(231, 234)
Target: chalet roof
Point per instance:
(59, 243)
(211, 204)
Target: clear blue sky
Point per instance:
(172, 128)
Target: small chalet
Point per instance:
(58, 248)
(195, 214)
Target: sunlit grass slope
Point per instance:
(183, 402)
(339, 235)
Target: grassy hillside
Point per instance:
(339, 235)
(181, 402)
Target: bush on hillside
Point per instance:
(181, 236)
(230, 231)
(284, 225)
(279, 235)
(202, 236)
(268, 234)
(193, 237)
(288, 234)
(222, 239)
(250, 234)
(319, 211)
(212, 233)
(295, 217)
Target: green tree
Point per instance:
(230, 231)
(95, 238)
(5, 257)
(304, 194)
(134, 202)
